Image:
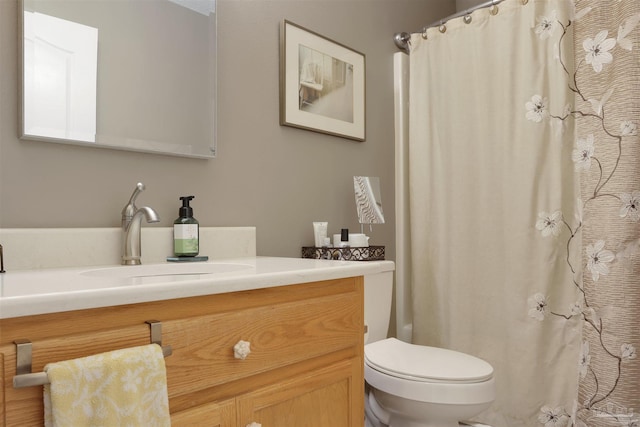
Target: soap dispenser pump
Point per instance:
(186, 232)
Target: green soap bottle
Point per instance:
(186, 231)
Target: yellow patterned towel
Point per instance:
(121, 388)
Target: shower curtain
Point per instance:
(524, 204)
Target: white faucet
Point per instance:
(131, 226)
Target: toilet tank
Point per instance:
(378, 294)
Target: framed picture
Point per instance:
(322, 84)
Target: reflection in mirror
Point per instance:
(368, 200)
(131, 74)
(60, 71)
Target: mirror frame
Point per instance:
(120, 143)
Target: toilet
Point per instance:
(410, 385)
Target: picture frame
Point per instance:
(322, 84)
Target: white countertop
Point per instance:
(31, 292)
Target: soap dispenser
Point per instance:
(186, 233)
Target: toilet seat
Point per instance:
(429, 364)
(428, 374)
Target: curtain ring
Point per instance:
(493, 9)
(467, 19)
(442, 28)
(424, 33)
(525, 2)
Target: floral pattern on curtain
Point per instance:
(605, 78)
(481, 168)
(524, 162)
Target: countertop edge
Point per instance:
(266, 272)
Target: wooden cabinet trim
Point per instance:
(2, 393)
(210, 414)
(45, 325)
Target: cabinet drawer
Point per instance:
(279, 335)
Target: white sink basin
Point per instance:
(170, 272)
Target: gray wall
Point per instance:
(467, 4)
(276, 178)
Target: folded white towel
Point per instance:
(120, 388)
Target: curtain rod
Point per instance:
(402, 39)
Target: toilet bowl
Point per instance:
(410, 385)
(420, 386)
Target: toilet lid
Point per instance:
(422, 363)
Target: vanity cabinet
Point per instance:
(304, 368)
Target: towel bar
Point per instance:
(24, 377)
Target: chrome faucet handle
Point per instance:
(139, 189)
(130, 208)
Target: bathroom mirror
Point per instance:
(368, 200)
(135, 75)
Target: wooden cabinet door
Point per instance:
(331, 396)
(216, 414)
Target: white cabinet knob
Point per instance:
(254, 425)
(240, 351)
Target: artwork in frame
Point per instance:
(322, 84)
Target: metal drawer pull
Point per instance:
(24, 377)
(254, 424)
(240, 351)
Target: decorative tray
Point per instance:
(370, 253)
